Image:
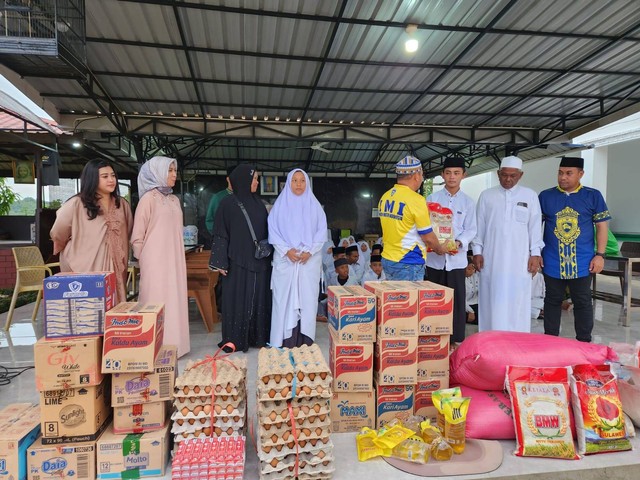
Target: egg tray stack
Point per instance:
(208, 405)
(294, 386)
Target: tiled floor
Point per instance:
(16, 350)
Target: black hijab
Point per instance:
(241, 179)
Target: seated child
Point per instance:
(341, 275)
(374, 271)
(472, 282)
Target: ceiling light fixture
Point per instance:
(76, 144)
(411, 45)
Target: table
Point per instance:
(627, 264)
(201, 283)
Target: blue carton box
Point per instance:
(19, 428)
(75, 303)
(352, 314)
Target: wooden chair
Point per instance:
(201, 283)
(30, 272)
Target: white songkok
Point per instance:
(511, 162)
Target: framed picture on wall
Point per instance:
(269, 185)
(23, 171)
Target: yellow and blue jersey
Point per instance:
(569, 237)
(404, 216)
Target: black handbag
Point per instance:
(263, 247)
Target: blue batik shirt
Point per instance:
(569, 237)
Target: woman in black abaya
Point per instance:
(246, 295)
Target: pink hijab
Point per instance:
(297, 221)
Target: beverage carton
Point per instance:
(74, 460)
(68, 363)
(351, 365)
(144, 417)
(351, 411)
(396, 361)
(123, 456)
(433, 356)
(133, 335)
(422, 397)
(352, 313)
(19, 428)
(134, 388)
(397, 309)
(74, 415)
(75, 304)
(393, 401)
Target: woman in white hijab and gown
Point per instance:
(157, 243)
(297, 230)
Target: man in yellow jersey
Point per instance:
(406, 227)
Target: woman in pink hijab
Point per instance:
(297, 230)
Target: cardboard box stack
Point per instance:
(411, 355)
(136, 444)
(19, 428)
(210, 399)
(294, 388)
(352, 329)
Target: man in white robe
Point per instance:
(506, 250)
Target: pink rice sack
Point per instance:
(489, 416)
(481, 360)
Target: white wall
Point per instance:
(623, 187)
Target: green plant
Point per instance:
(7, 197)
(23, 299)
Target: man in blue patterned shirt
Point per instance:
(569, 213)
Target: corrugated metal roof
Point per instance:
(258, 80)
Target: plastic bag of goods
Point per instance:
(540, 404)
(481, 360)
(597, 410)
(442, 224)
(630, 394)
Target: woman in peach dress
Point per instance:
(92, 229)
(157, 244)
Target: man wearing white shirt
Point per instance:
(448, 269)
(506, 250)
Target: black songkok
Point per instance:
(572, 162)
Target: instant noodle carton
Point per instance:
(435, 308)
(75, 304)
(433, 357)
(68, 363)
(74, 415)
(423, 405)
(133, 334)
(351, 365)
(397, 309)
(396, 361)
(140, 418)
(393, 401)
(132, 456)
(134, 388)
(352, 313)
(74, 460)
(351, 411)
(19, 428)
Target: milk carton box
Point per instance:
(74, 415)
(75, 303)
(72, 460)
(396, 361)
(351, 411)
(435, 309)
(433, 356)
(135, 388)
(423, 405)
(125, 456)
(393, 401)
(351, 365)
(397, 309)
(352, 313)
(19, 428)
(67, 362)
(133, 335)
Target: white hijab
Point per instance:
(153, 174)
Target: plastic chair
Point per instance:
(30, 272)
